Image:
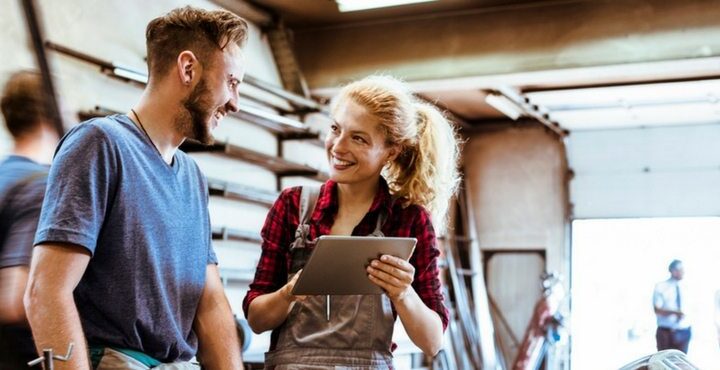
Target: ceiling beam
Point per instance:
(251, 12)
(506, 42)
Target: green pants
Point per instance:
(111, 359)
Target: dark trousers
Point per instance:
(16, 347)
(673, 339)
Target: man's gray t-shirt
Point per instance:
(147, 226)
(22, 187)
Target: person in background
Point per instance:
(673, 326)
(393, 168)
(23, 175)
(123, 258)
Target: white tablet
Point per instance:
(337, 265)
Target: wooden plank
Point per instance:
(279, 166)
(241, 192)
(230, 234)
(236, 275)
(285, 128)
(308, 105)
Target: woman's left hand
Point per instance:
(393, 274)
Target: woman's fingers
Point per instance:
(392, 274)
(288, 288)
(395, 267)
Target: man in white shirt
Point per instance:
(673, 327)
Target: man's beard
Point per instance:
(193, 122)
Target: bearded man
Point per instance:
(123, 265)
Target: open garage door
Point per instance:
(646, 172)
(640, 150)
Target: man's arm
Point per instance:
(55, 271)
(17, 247)
(12, 287)
(219, 347)
(659, 303)
(665, 312)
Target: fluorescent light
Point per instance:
(504, 105)
(645, 116)
(628, 95)
(355, 5)
(271, 117)
(130, 74)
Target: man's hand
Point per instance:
(393, 274)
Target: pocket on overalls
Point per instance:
(351, 324)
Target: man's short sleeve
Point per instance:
(80, 188)
(212, 258)
(658, 300)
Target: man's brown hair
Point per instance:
(24, 104)
(198, 30)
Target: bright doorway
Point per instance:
(615, 265)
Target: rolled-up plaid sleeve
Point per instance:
(424, 259)
(271, 272)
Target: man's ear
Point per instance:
(187, 67)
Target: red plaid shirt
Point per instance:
(282, 220)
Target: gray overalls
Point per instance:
(358, 333)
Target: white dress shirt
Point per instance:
(665, 297)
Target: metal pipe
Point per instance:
(31, 18)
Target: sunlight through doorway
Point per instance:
(615, 265)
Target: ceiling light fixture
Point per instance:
(130, 74)
(355, 5)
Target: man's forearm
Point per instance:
(55, 324)
(665, 312)
(219, 346)
(12, 286)
(55, 271)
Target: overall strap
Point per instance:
(298, 251)
(382, 218)
(308, 198)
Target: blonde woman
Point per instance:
(393, 168)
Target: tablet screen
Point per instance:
(337, 265)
